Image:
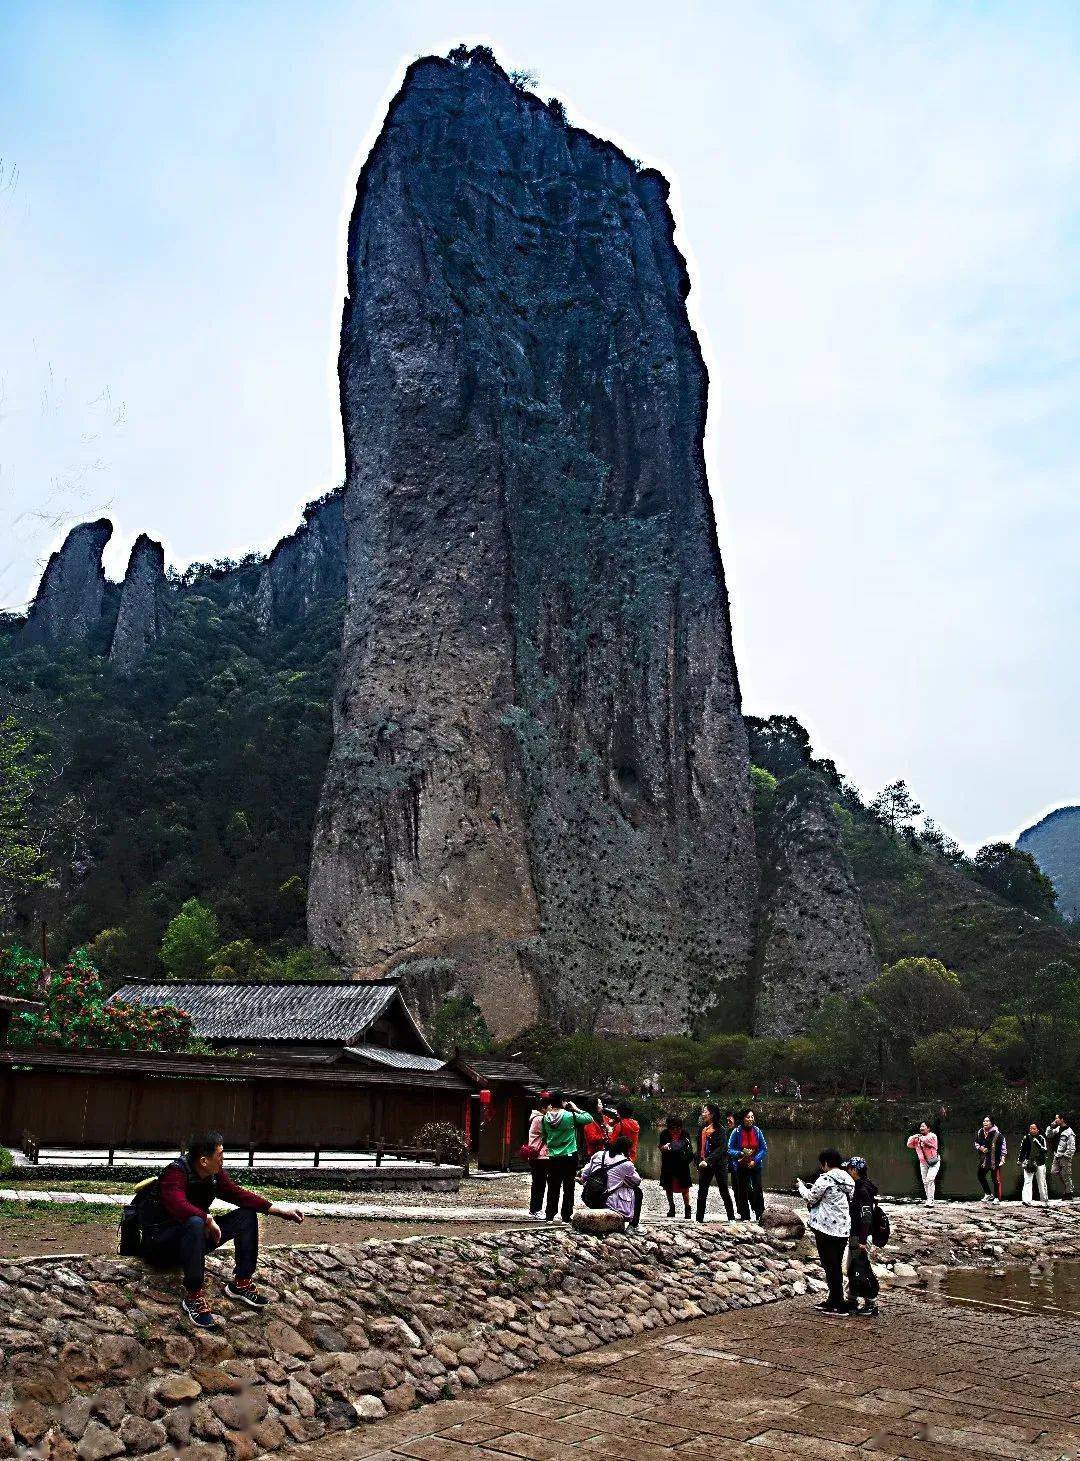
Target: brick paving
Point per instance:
(927, 1380)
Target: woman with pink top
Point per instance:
(925, 1145)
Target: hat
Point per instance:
(859, 1163)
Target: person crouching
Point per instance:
(179, 1229)
(623, 1180)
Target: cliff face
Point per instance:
(813, 939)
(305, 567)
(143, 610)
(539, 769)
(68, 605)
(1054, 843)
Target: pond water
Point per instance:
(794, 1154)
(1054, 1289)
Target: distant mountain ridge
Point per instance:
(1054, 843)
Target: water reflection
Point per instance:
(794, 1154)
(1052, 1288)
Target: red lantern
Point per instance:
(485, 1107)
(485, 1098)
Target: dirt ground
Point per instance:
(48, 1234)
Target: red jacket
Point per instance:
(629, 1128)
(184, 1196)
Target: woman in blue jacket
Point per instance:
(747, 1149)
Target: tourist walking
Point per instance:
(537, 1155)
(862, 1283)
(925, 1146)
(829, 1203)
(747, 1150)
(990, 1145)
(559, 1128)
(623, 1180)
(676, 1154)
(712, 1159)
(1064, 1151)
(1032, 1164)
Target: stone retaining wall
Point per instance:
(95, 1362)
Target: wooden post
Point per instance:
(507, 1134)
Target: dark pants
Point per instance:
(562, 1173)
(705, 1178)
(990, 1181)
(639, 1198)
(185, 1245)
(539, 1185)
(748, 1193)
(831, 1252)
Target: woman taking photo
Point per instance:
(829, 1201)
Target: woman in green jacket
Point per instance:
(560, 1128)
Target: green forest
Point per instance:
(160, 825)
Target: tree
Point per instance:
(77, 1017)
(21, 863)
(1016, 877)
(896, 808)
(763, 786)
(779, 743)
(950, 1059)
(189, 941)
(1047, 1011)
(916, 997)
(459, 1025)
(845, 1036)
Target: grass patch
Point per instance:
(75, 1214)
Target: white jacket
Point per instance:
(1066, 1144)
(829, 1201)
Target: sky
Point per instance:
(879, 203)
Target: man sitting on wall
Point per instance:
(179, 1230)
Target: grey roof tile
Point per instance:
(398, 1059)
(288, 1011)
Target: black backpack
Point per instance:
(880, 1227)
(141, 1213)
(594, 1191)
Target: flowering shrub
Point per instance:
(446, 1140)
(22, 974)
(76, 1016)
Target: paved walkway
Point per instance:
(926, 1381)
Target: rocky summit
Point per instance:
(538, 789)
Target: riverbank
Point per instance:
(94, 1356)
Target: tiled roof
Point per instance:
(397, 1059)
(502, 1071)
(323, 1010)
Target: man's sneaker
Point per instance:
(246, 1293)
(835, 1311)
(536, 1217)
(868, 1311)
(199, 1312)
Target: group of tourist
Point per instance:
(1042, 1155)
(568, 1145)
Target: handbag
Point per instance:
(529, 1151)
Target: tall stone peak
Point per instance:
(306, 567)
(142, 616)
(1054, 843)
(538, 782)
(813, 940)
(67, 606)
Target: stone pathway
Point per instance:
(384, 1211)
(926, 1381)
